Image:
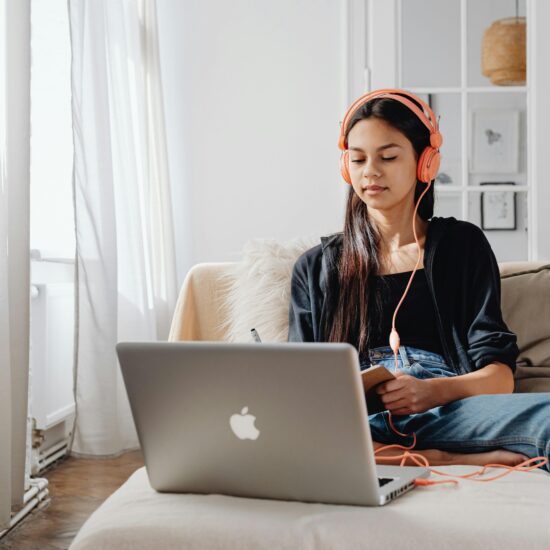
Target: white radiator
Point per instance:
(51, 354)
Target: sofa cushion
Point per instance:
(526, 310)
(509, 513)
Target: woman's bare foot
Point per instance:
(499, 456)
(436, 457)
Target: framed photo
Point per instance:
(498, 208)
(495, 141)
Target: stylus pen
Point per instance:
(255, 335)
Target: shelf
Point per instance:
(476, 188)
(470, 89)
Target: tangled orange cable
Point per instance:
(420, 460)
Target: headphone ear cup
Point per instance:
(428, 165)
(344, 166)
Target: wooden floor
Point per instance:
(77, 487)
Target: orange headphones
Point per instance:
(428, 163)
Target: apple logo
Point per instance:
(243, 425)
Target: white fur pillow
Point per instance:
(257, 290)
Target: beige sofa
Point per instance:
(222, 301)
(508, 513)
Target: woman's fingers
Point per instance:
(401, 405)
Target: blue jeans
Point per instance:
(518, 422)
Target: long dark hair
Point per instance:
(352, 300)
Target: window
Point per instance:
(52, 218)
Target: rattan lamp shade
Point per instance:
(503, 52)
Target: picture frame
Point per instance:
(494, 141)
(498, 208)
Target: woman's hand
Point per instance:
(407, 394)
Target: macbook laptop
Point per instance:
(280, 421)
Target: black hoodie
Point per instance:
(464, 282)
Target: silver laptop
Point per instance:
(281, 421)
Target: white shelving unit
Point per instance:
(507, 246)
(452, 30)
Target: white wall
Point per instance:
(253, 93)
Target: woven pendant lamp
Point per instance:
(503, 51)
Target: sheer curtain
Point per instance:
(126, 272)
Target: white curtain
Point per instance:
(126, 271)
(14, 252)
(5, 375)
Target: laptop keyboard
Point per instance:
(383, 480)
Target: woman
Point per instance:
(456, 357)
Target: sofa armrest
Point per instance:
(200, 312)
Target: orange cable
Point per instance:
(418, 459)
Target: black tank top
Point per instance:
(416, 318)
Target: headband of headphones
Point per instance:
(429, 121)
